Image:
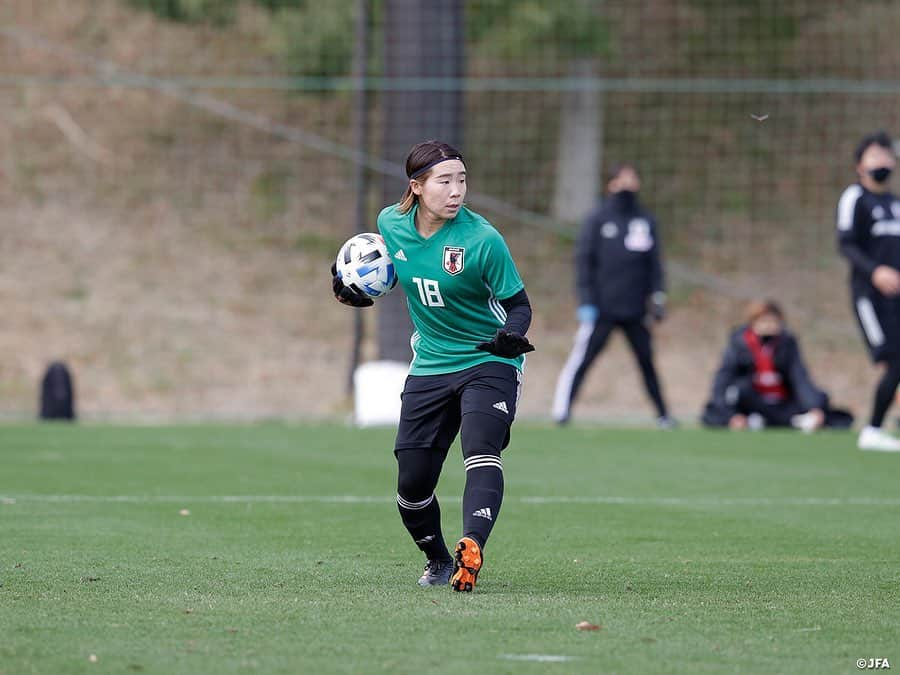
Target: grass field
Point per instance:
(696, 552)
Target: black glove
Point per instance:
(658, 306)
(348, 295)
(506, 344)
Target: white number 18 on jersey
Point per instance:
(429, 292)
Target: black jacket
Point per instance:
(868, 234)
(738, 367)
(617, 259)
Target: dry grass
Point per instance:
(177, 261)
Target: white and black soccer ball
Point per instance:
(364, 265)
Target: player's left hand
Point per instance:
(658, 306)
(507, 345)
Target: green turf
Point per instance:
(727, 553)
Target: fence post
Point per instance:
(421, 39)
(361, 143)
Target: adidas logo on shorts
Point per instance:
(501, 405)
(483, 513)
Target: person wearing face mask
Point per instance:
(619, 281)
(763, 382)
(868, 223)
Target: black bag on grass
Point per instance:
(57, 394)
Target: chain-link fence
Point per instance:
(198, 157)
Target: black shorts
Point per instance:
(433, 405)
(879, 320)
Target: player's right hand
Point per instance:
(345, 294)
(887, 280)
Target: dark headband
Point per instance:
(431, 165)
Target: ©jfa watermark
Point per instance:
(873, 664)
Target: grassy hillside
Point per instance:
(177, 259)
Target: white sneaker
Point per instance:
(756, 422)
(873, 438)
(807, 422)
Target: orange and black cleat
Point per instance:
(468, 562)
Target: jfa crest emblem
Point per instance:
(454, 259)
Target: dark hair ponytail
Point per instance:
(419, 163)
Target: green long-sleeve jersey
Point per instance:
(454, 281)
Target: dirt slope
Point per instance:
(177, 261)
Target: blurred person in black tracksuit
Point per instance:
(763, 382)
(868, 224)
(619, 280)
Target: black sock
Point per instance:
(885, 393)
(482, 497)
(423, 522)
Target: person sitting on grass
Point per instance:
(762, 380)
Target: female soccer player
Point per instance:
(868, 223)
(470, 312)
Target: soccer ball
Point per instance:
(363, 264)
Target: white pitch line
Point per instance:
(539, 658)
(534, 500)
(202, 499)
(719, 501)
